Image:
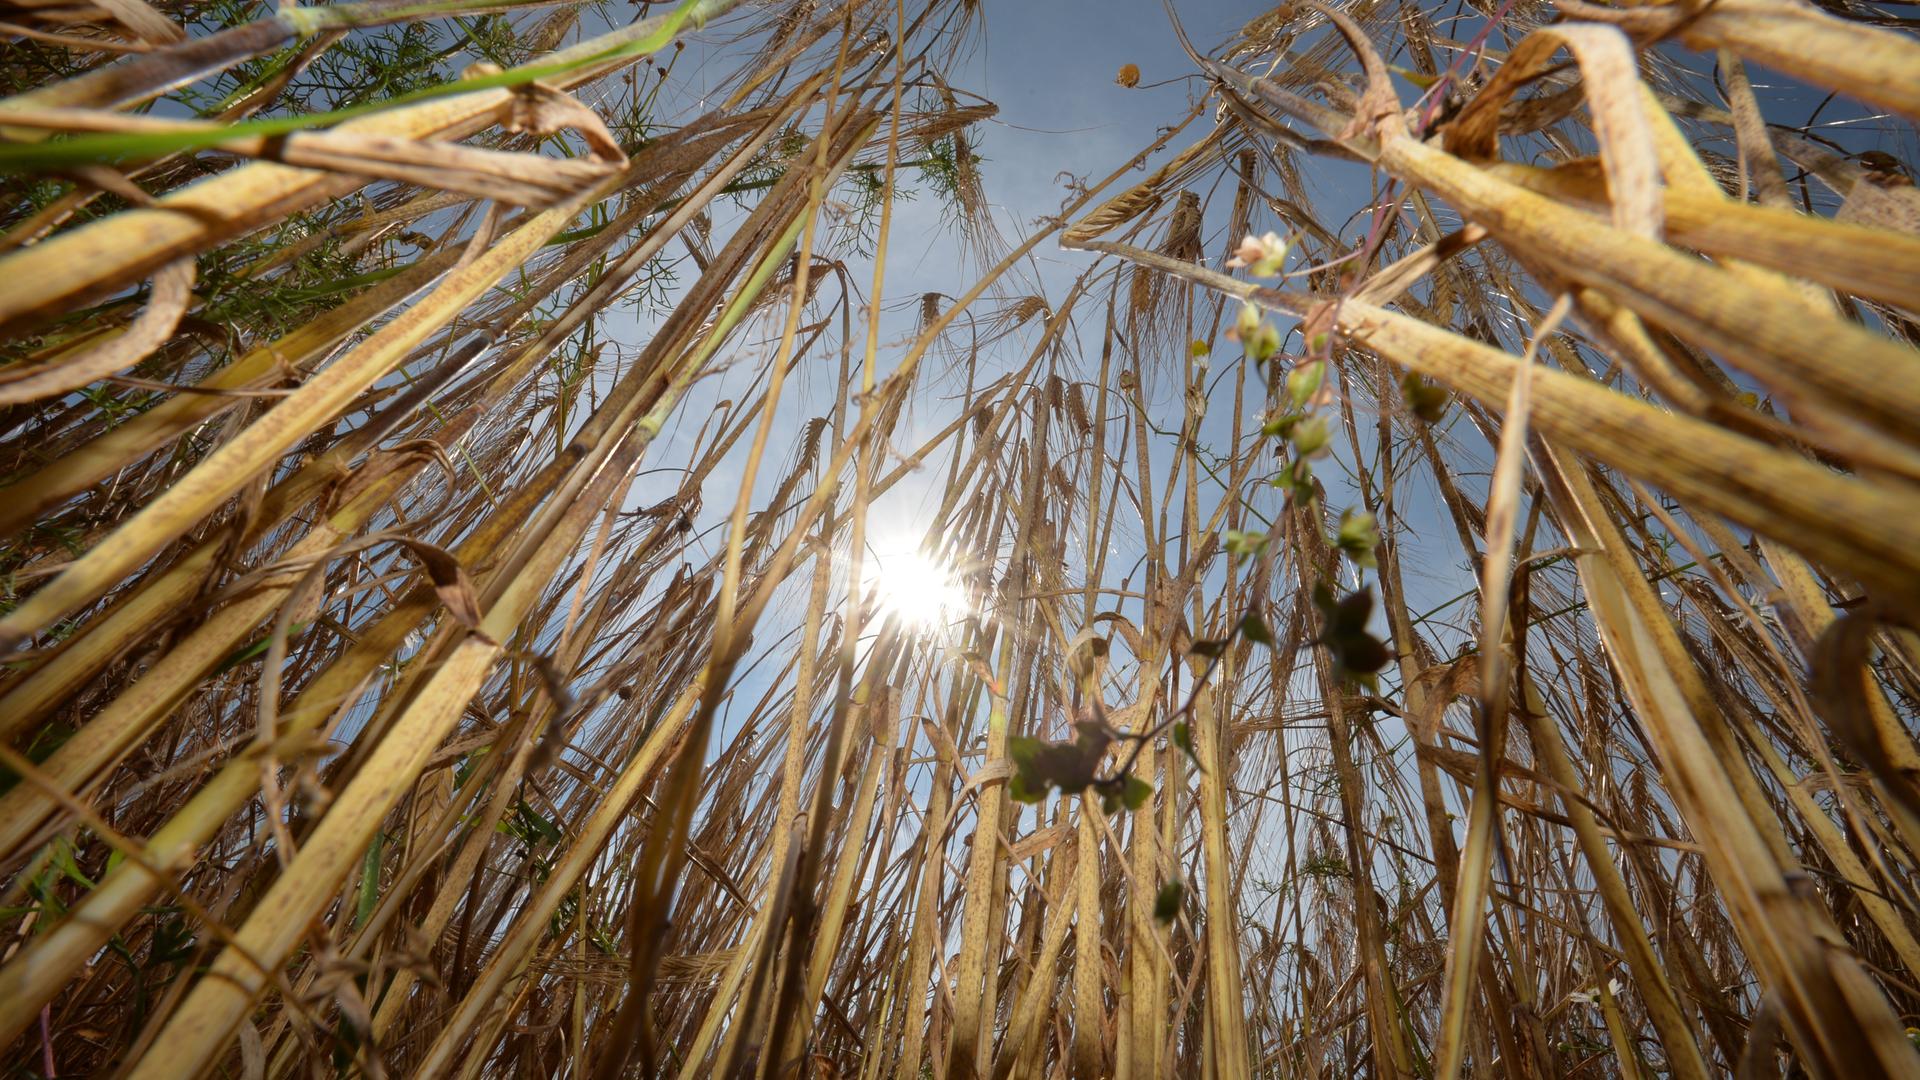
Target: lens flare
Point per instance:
(921, 592)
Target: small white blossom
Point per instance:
(1264, 256)
(1592, 996)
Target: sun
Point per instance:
(920, 591)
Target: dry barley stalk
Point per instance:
(1486, 649)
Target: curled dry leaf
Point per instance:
(1865, 726)
(122, 349)
(449, 579)
(1612, 86)
(541, 110)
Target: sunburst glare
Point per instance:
(922, 592)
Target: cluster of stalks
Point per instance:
(371, 705)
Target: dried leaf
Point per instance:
(141, 18)
(253, 1051)
(172, 289)
(539, 109)
(450, 581)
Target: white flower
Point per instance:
(1264, 255)
(1592, 996)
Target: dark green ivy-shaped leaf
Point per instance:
(1039, 765)
(1357, 654)
(1424, 400)
(1019, 791)
(1208, 647)
(1166, 904)
(172, 942)
(1021, 749)
(1026, 785)
(1254, 629)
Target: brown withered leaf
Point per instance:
(172, 291)
(449, 578)
(541, 110)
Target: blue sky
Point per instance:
(1050, 66)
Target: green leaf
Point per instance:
(530, 827)
(172, 942)
(1424, 399)
(1357, 654)
(68, 866)
(1247, 321)
(1022, 749)
(1166, 903)
(1297, 481)
(1254, 629)
(256, 649)
(1424, 82)
(1183, 738)
(464, 768)
(1262, 343)
(1358, 536)
(602, 939)
(1040, 766)
(1208, 647)
(1310, 436)
(369, 891)
(1135, 792)
(1304, 381)
(1242, 544)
